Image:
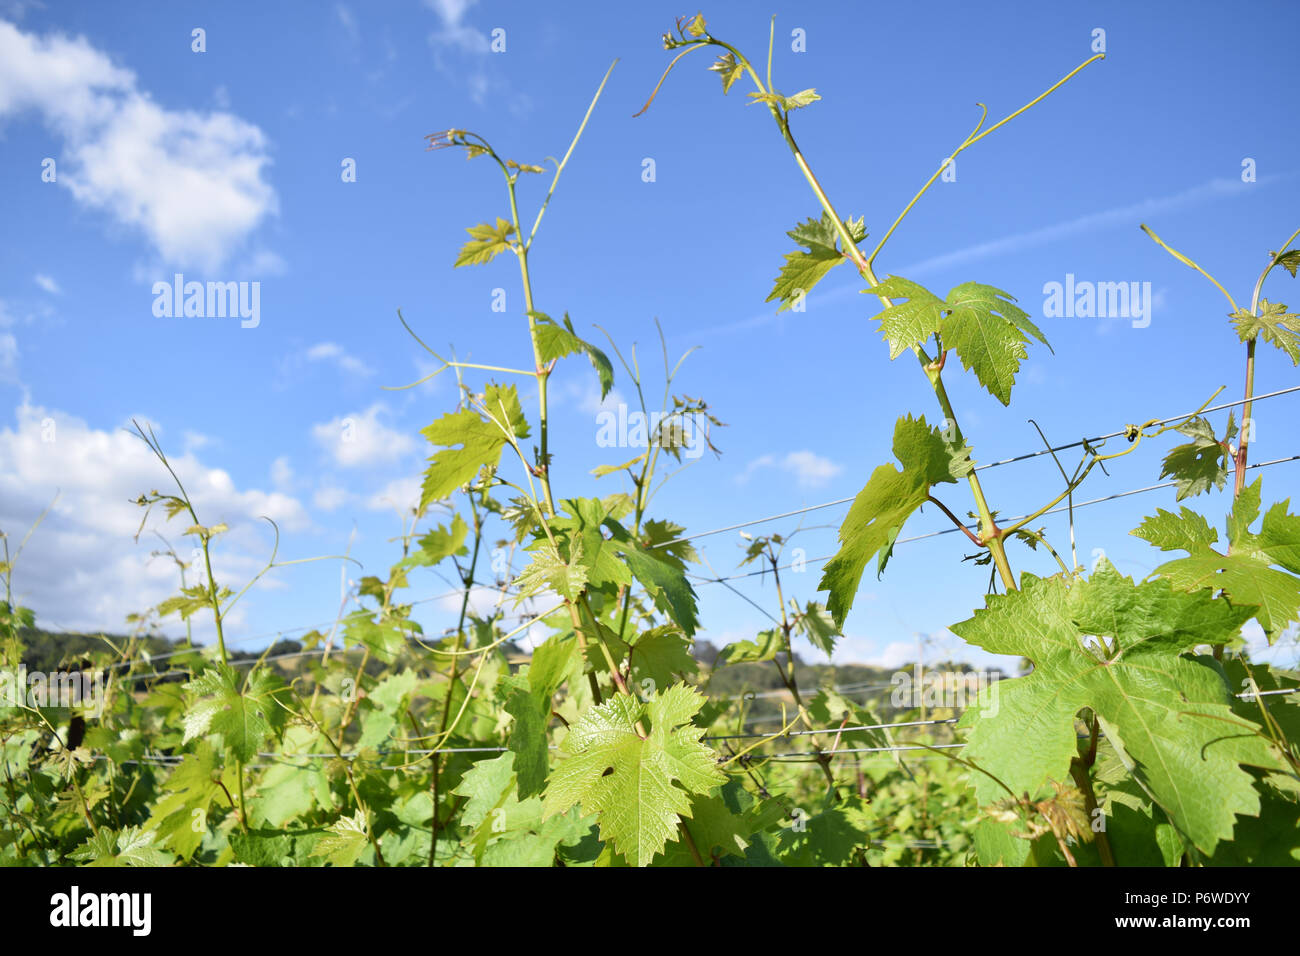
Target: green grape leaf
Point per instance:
(344, 841)
(132, 846)
(638, 787)
(439, 544)
(273, 847)
(480, 442)
(1121, 650)
(529, 703)
(786, 103)
(908, 324)
(384, 640)
(554, 341)
(600, 471)
(192, 785)
(485, 784)
(580, 525)
(1185, 531)
(1274, 325)
(663, 576)
(521, 838)
(1289, 260)
(664, 539)
(982, 324)
(191, 600)
(660, 655)
(717, 830)
(292, 788)
(989, 333)
(1246, 572)
(829, 838)
(801, 99)
(767, 645)
(817, 625)
(486, 242)
(507, 830)
(803, 270)
(243, 718)
(729, 70)
(1198, 465)
(548, 570)
(884, 504)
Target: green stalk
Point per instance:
(932, 368)
(1239, 478)
(823, 760)
(988, 530)
(468, 581)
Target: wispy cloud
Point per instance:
(1130, 214)
(348, 22)
(333, 352)
(8, 358)
(461, 52)
(47, 283)
(455, 32)
(1118, 216)
(809, 469)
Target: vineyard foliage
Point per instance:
(1142, 735)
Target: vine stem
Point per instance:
(541, 469)
(932, 369)
(955, 520)
(1079, 767)
(823, 759)
(1239, 478)
(467, 580)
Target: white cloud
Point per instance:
(347, 21)
(8, 358)
(460, 53)
(282, 474)
(483, 601)
(191, 182)
(455, 32)
(400, 493)
(48, 284)
(896, 654)
(193, 441)
(329, 498)
(360, 438)
(810, 470)
(583, 393)
(82, 568)
(333, 352)
(9, 318)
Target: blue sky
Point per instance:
(225, 165)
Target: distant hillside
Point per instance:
(51, 650)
